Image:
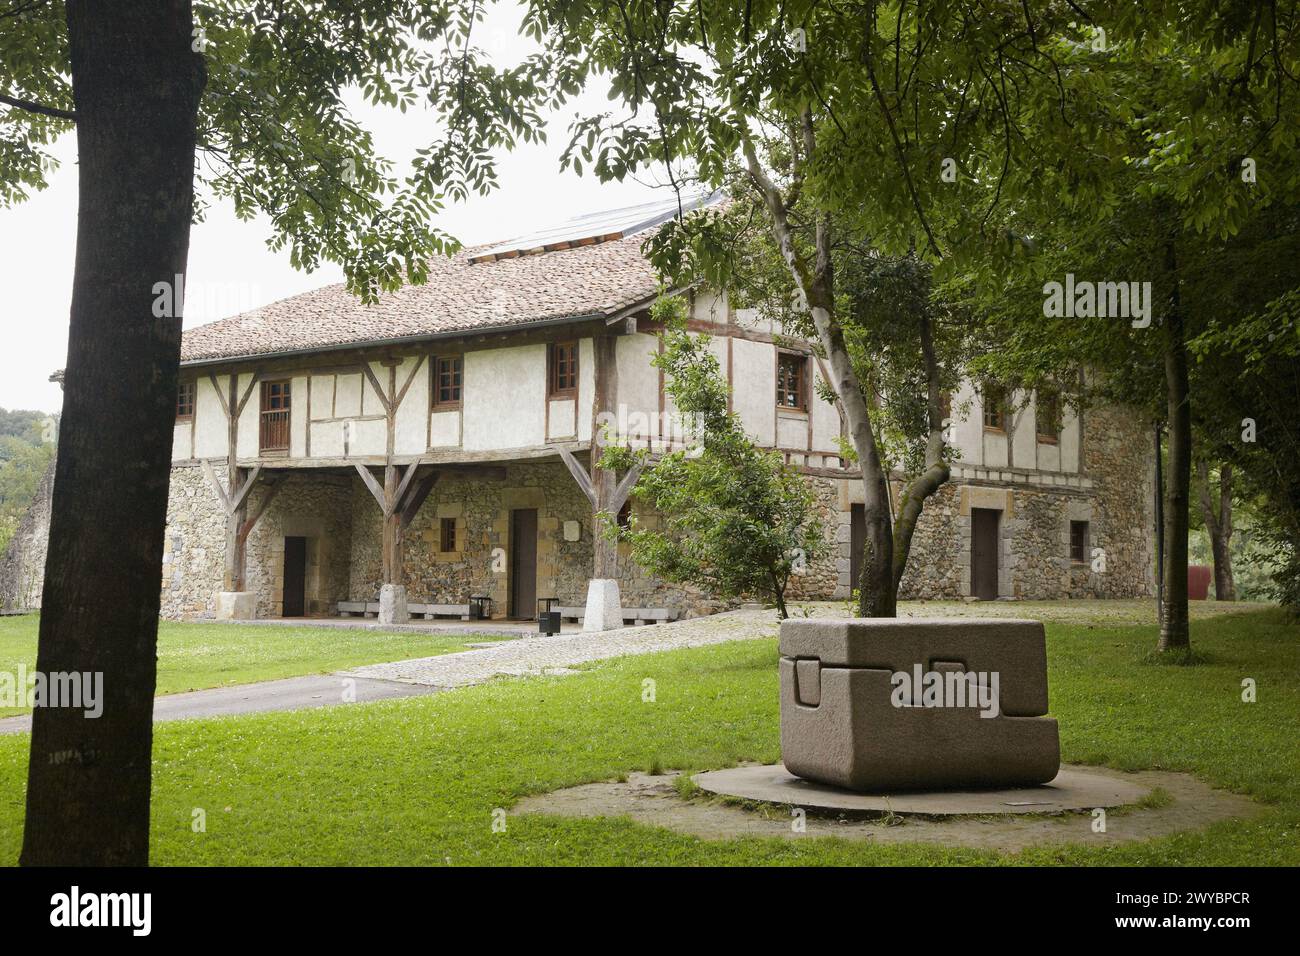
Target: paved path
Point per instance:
(558, 653)
(293, 693)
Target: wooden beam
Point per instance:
(374, 383)
(225, 409)
(579, 475)
(625, 487)
(272, 486)
(404, 484)
(245, 488)
(212, 479)
(374, 487)
(397, 402)
(417, 496)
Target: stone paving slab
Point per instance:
(1074, 788)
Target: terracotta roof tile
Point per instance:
(460, 296)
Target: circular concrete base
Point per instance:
(1075, 788)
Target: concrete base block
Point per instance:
(236, 606)
(392, 605)
(604, 606)
(885, 705)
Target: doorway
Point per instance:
(984, 553)
(294, 598)
(523, 563)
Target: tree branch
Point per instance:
(38, 108)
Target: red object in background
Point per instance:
(1198, 581)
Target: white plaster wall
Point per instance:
(586, 386)
(298, 413)
(638, 385)
(968, 430)
(444, 429)
(326, 438)
(209, 420)
(371, 403)
(1069, 440)
(369, 437)
(562, 419)
(710, 307)
(753, 388)
(347, 395)
(791, 430)
(503, 398)
(1024, 431)
(322, 401)
(411, 429)
(249, 439)
(181, 441)
(826, 417)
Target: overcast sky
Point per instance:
(230, 268)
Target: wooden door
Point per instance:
(295, 577)
(984, 553)
(523, 563)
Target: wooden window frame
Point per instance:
(181, 389)
(445, 525)
(782, 355)
(1052, 437)
(1001, 407)
(553, 389)
(264, 412)
(1084, 543)
(435, 394)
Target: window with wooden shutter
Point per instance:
(276, 405)
(792, 380)
(185, 401)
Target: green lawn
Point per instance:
(195, 656)
(415, 781)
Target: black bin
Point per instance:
(548, 621)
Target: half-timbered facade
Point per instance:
(438, 451)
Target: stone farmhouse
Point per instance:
(433, 454)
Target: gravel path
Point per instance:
(557, 654)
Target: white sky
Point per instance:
(230, 268)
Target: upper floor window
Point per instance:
(995, 406)
(276, 404)
(447, 380)
(563, 377)
(185, 401)
(792, 380)
(1047, 416)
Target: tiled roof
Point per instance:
(602, 277)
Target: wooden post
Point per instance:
(603, 481)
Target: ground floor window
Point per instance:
(1079, 542)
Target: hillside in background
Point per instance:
(26, 450)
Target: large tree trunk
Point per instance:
(136, 85)
(1218, 524)
(1174, 633)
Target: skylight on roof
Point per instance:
(595, 227)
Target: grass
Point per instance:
(197, 656)
(416, 781)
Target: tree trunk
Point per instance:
(936, 472)
(1218, 525)
(1174, 634)
(877, 594)
(136, 85)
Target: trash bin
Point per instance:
(480, 607)
(548, 621)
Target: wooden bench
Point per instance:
(427, 611)
(635, 615)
